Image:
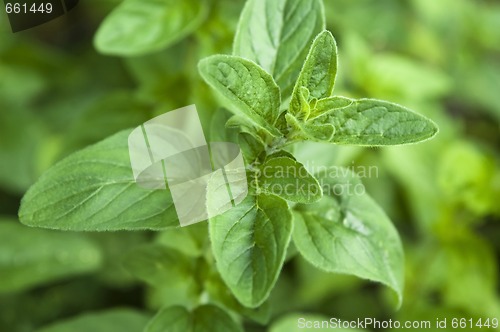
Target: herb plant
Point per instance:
(275, 89)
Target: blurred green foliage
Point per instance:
(441, 58)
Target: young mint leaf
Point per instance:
(375, 122)
(125, 320)
(309, 131)
(327, 105)
(285, 177)
(347, 232)
(300, 105)
(246, 87)
(205, 318)
(249, 243)
(137, 27)
(94, 190)
(277, 34)
(30, 257)
(318, 73)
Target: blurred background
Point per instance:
(440, 58)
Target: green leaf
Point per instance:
(302, 125)
(328, 105)
(263, 137)
(251, 147)
(167, 269)
(239, 130)
(375, 122)
(218, 130)
(94, 190)
(285, 177)
(461, 253)
(308, 130)
(316, 286)
(219, 293)
(123, 320)
(347, 232)
(249, 243)
(471, 187)
(248, 89)
(30, 257)
(21, 83)
(277, 34)
(20, 150)
(137, 27)
(191, 241)
(158, 265)
(206, 318)
(113, 245)
(108, 115)
(318, 73)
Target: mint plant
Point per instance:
(279, 87)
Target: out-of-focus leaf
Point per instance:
(110, 114)
(19, 85)
(218, 130)
(171, 272)
(219, 293)
(138, 27)
(157, 265)
(163, 71)
(488, 21)
(277, 35)
(94, 190)
(123, 320)
(315, 285)
(30, 257)
(474, 261)
(114, 245)
(206, 318)
(480, 86)
(191, 241)
(472, 186)
(393, 76)
(21, 136)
